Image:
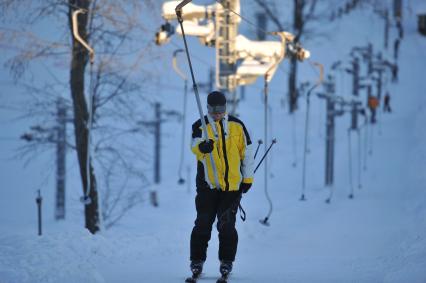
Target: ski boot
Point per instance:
(196, 267)
(225, 267)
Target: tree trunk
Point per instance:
(298, 22)
(292, 85)
(78, 66)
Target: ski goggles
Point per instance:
(216, 109)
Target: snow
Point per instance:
(379, 236)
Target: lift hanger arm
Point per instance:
(77, 35)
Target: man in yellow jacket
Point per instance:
(219, 193)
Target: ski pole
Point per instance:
(259, 142)
(274, 141)
(178, 11)
(240, 195)
(225, 215)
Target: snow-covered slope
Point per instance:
(379, 236)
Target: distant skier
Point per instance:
(231, 147)
(373, 103)
(400, 28)
(386, 103)
(395, 73)
(396, 49)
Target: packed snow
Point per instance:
(378, 236)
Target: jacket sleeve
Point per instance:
(247, 158)
(196, 139)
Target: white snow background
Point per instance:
(379, 236)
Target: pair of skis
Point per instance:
(195, 277)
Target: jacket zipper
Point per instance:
(225, 156)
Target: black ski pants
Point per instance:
(211, 204)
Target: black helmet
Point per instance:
(216, 102)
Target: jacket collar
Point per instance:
(213, 124)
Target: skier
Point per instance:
(386, 103)
(231, 147)
(400, 28)
(373, 103)
(395, 73)
(396, 49)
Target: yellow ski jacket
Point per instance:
(232, 153)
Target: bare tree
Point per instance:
(81, 114)
(113, 29)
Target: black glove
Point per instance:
(244, 187)
(206, 146)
